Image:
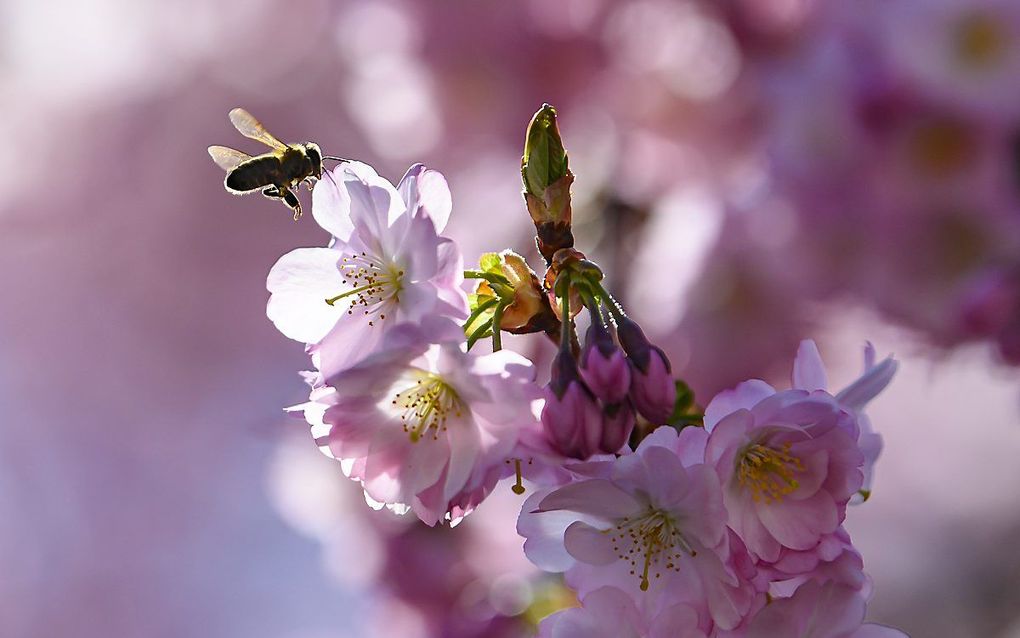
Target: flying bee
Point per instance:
(278, 173)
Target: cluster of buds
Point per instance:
(595, 395)
(598, 391)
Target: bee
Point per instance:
(278, 173)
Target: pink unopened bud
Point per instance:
(652, 388)
(617, 424)
(571, 416)
(654, 391)
(604, 365)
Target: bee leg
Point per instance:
(291, 200)
(288, 197)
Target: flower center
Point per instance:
(372, 281)
(768, 472)
(980, 41)
(652, 538)
(426, 406)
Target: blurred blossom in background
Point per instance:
(750, 173)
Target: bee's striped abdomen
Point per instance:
(256, 173)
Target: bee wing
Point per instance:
(227, 158)
(248, 126)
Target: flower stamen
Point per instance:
(653, 538)
(373, 282)
(426, 406)
(768, 472)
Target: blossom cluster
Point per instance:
(664, 520)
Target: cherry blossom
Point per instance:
(385, 264)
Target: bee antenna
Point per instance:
(335, 158)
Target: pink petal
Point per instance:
(746, 395)
(464, 450)
(808, 369)
(856, 395)
(691, 445)
(589, 545)
(449, 277)
(428, 190)
(726, 439)
(595, 497)
(800, 524)
(678, 621)
(544, 533)
(349, 342)
(417, 250)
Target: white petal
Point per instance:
(299, 283)
(331, 205)
(427, 190)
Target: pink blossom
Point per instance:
(816, 610)
(790, 461)
(609, 612)
(646, 524)
(834, 558)
(787, 464)
(385, 264)
(421, 423)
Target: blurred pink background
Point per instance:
(749, 172)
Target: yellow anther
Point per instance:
(768, 472)
(426, 406)
(654, 539)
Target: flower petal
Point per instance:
(426, 191)
(331, 205)
(299, 284)
(856, 395)
(745, 395)
(588, 545)
(595, 497)
(544, 533)
(798, 524)
(808, 369)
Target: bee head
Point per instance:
(315, 157)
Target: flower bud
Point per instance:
(529, 309)
(617, 424)
(571, 417)
(566, 262)
(547, 181)
(652, 388)
(604, 366)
